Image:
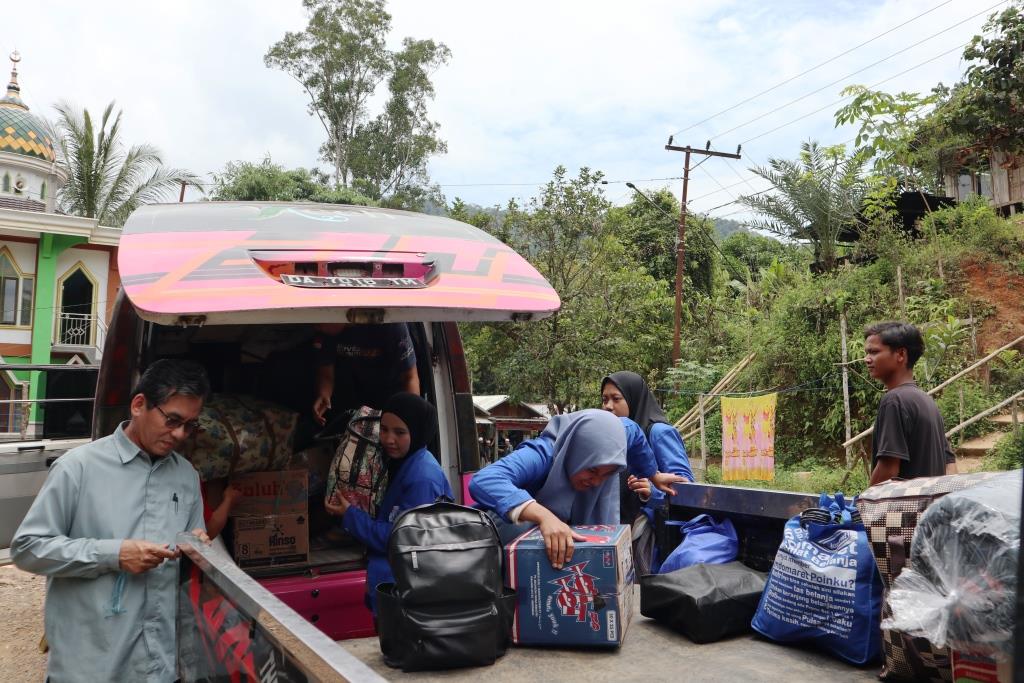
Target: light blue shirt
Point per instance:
(96, 496)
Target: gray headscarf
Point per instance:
(584, 439)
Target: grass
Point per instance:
(818, 479)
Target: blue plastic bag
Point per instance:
(706, 542)
(824, 588)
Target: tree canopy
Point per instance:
(267, 181)
(341, 59)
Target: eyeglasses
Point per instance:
(173, 422)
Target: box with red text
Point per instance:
(588, 602)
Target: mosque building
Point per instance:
(58, 280)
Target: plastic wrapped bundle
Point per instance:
(962, 589)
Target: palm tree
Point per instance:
(104, 180)
(815, 198)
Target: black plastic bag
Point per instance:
(705, 602)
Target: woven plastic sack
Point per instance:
(240, 434)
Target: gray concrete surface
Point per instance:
(650, 653)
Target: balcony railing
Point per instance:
(80, 329)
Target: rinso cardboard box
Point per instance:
(589, 601)
(272, 493)
(271, 540)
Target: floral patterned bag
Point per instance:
(240, 434)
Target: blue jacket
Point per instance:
(419, 481)
(670, 453)
(517, 477)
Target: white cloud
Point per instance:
(531, 84)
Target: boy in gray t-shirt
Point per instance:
(910, 438)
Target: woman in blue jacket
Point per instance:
(407, 424)
(625, 394)
(564, 477)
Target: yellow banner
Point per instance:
(748, 438)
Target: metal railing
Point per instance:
(80, 329)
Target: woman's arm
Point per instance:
(509, 482)
(669, 451)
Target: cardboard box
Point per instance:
(587, 602)
(271, 540)
(272, 493)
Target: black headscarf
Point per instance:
(417, 414)
(643, 408)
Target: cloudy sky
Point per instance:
(531, 85)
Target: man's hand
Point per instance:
(320, 407)
(641, 487)
(663, 482)
(137, 557)
(201, 535)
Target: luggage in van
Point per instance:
(448, 607)
(240, 434)
(891, 512)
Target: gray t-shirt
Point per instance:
(909, 428)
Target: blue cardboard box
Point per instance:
(588, 602)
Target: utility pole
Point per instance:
(681, 236)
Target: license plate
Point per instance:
(338, 282)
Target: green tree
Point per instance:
(341, 59)
(650, 229)
(988, 106)
(748, 253)
(267, 181)
(613, 314)
(816, 198)
(105, 180)
(889, 133)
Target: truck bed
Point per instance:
(650, 652)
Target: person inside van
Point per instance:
(565, 477)
(361, 365)
(407, 424)
(626, 394)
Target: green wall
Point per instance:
(50, 247)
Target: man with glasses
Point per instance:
(102, 530)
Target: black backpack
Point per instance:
(448, 606)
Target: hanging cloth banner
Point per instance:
(748, 438)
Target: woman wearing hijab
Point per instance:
(407, 424)
(625, 394)
(564, 477)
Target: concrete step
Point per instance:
(1007, 418)
(980, 445)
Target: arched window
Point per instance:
(16, 292)
(7, 182)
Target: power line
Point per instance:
(843, 99)
(847, 76)
(813, 68)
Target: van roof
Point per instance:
(270, 262)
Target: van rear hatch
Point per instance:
(256, 262)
